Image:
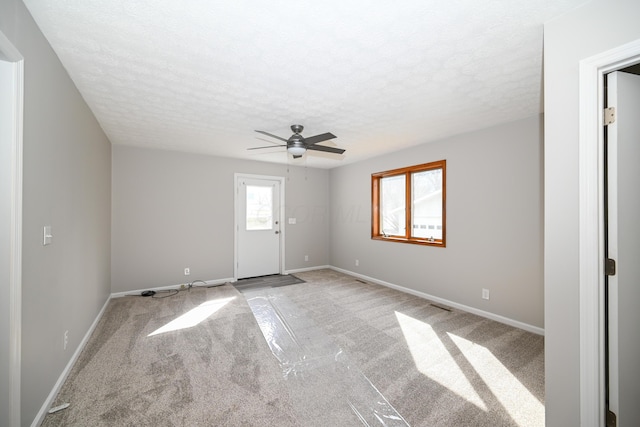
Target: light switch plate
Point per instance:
(47, 237)
(292, 220)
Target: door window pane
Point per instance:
(392, 203)
(259, 208)
(426, 204)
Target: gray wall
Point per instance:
(494, 222)
(174, 210)
(596, 27)
(67, 184)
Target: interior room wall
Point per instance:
(174, 210)
(494, 222)
(66, 184)
(596, 27)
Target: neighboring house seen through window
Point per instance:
(408, 204)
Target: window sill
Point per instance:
(423, 242)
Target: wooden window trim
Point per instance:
(376, 232)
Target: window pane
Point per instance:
(259, 208)
(392, 205)
(426, 204)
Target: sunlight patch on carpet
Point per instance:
(194, 316)
(434, 360)
(523, 407)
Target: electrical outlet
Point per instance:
(306, 257)
(65, 340)
(357, 262)
(187, 271)
(485, 293)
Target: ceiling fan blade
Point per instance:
(268, 141)
(297, 157)
(319, 138)
(326, 149)
(268, 146)
(271, 135)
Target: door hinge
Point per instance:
(609, 115)
(610, 267)
(612, 420)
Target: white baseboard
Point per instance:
(482, 313)
(170, 287)
(63, 376)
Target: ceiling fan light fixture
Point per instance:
(296, 150)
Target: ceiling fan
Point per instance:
(297, 145)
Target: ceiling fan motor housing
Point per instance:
(296, 140)
(300, 144)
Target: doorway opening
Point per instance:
(621, 208)
(591, 227)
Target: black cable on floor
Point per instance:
(174, 292)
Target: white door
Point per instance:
(257, 226)
(623, 175)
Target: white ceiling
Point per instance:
(200, 75)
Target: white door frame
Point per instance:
(13, 56)
(237, 178)
(591, 177)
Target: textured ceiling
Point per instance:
(200, 76)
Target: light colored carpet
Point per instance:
(435, 367)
